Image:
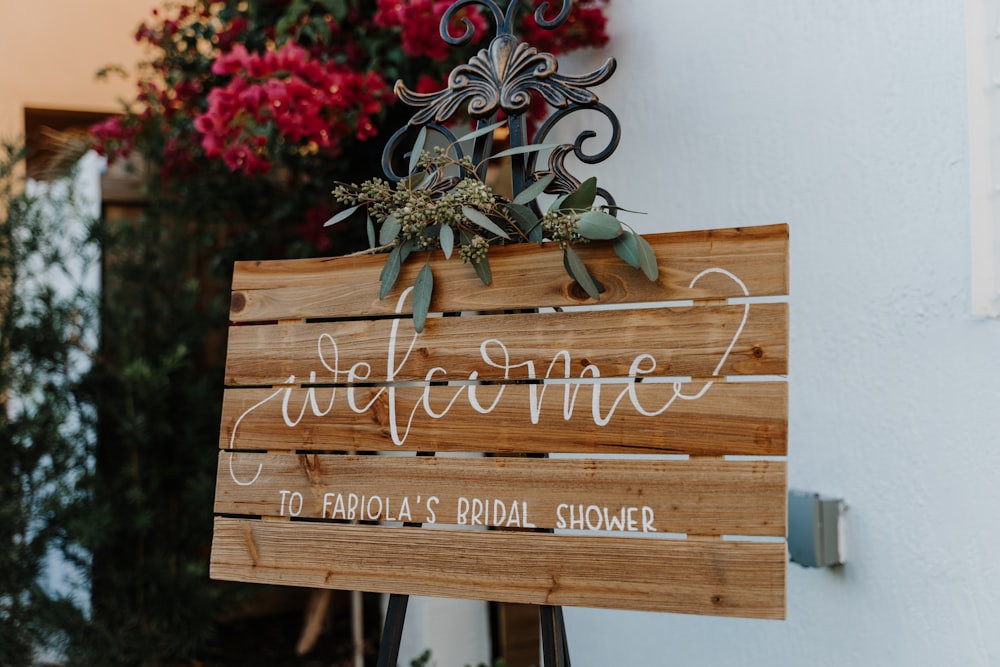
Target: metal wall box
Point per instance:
(816, 530)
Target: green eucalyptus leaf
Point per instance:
(530, 193)
(418, 148)
(425, 181)
(475, 134)
(582, 198)
(578, 272)
(405, 249)
(483, 270)
(390, 228)
(371, 232)
(422, 290)
(647, 258)
(597, 225)
(481, 219)
(526, 220)
(619, 209)
(537, 234)
(418, 180)
(557, 204)
(521, 150)
(447, 237)
(342, 215)
(626, 247)
(429, 234)
(390, 272)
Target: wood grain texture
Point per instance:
(688, 341)
(524, 276)
(748, 418)
(719, 578)
(706, 497)
(299, 391)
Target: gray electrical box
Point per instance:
(816, 529)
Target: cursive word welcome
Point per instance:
(495, 354)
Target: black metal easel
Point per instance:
(502, 78)
(555, 648)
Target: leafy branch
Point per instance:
(444, 204)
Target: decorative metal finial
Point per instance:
(502, 78)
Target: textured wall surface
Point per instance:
(847, 120)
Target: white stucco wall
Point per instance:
(457, 632)
(848, 120)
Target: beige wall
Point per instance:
(51, 49)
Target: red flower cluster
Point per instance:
(586, 27)
(115, 135)
(288, 97)
(419, 23)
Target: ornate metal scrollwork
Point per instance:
(504, 19)
(504, 77)
(501, 78)
(565, 181)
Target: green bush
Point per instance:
(46, 431)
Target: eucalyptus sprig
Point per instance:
(429, 210)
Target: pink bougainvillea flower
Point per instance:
(289, 92)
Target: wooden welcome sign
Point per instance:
(321, 375)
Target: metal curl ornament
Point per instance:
(559, 20)
(470, 30)
(565, 182)
(588, 158)
(395, 143)
(504, 19)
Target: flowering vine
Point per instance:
(289, 97)
(296, 91)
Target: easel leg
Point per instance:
(392, 631)
(562, 633)
(555, 648)
(395, 616)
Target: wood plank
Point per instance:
(706, 497)
(719, 578)
(524, 276)
(689, 341)
(748, 418)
